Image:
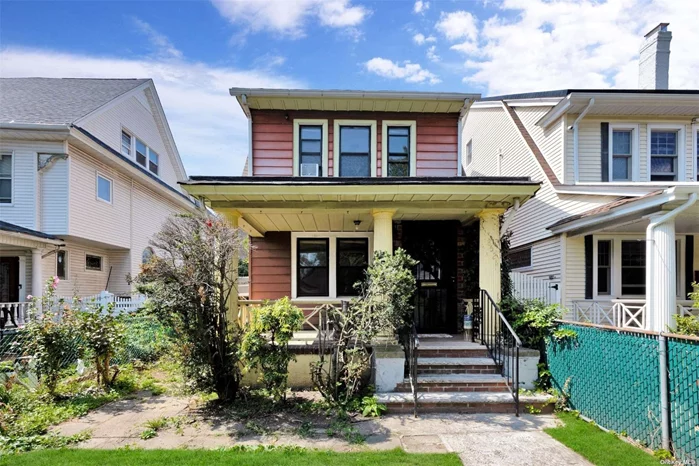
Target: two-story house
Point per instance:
(88, 173)
(615, 222)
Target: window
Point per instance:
(622, 154)
(633, 267)
(604, 267)
(520, 259)
(104, 188)
(61, 265)
(153, 161)
(313, 274)
(469, 152)
(93, 262)
(352, 261)
(355, 151)
(5, 178)
(126, 143)
(398, 151)
(311, 147)
(147, 255)
(664, 155)
(141, 152)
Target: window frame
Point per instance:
(93, 269)
(332, 261)
(99, 175)
(523, 267)
(337, 124)
(337, 253)
(131, 143)
(323, 123)
(133, 156)
(11, 178)
(634, 157)
(412, 137)
(681, 165)
(65, 264)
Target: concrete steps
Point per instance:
(467, 403)
(457, 383)
(474, 365)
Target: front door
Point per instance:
(9, 279)
(433, 245)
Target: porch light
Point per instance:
(356, 224)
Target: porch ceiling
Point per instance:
(334, 204)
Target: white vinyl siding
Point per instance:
(549, 140)
(54, 197)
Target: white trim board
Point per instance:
(298, 122)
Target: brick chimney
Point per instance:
(654, 61)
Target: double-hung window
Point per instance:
(664, 154)
(313, 267)
(355, 151)
(622, 154)
(352, 261)
(126, 143)
(141, 152)
(604, 267)
(5, 178)
(153, 161)
(145, 156)
(398, 150)
(310, 150)
(633, 267)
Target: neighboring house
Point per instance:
(88, 173)
(616, 220)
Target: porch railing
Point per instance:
(626, 313)
(316, 315)
(500, 339)
(412, 354)
(13, 315)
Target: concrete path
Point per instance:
(479, 439)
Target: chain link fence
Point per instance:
(612, 376)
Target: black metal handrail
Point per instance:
(502, 342)
(413, 344)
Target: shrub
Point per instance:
(266, 344)
(189, 281)
(146, 339)
(687, 325)
(102, 336)
(51, 340)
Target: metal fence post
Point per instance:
(664, 393)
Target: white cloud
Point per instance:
(409, 72)
(458, 25)
(209, 128)
(290, 17)
(421, 7)
(432, 54)
(162, 45)
(420, 39)
(569, 44)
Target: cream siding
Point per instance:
(134, 114)
(574, 270)
(546, 262)
(54, 198)
(79, 281)
(549, 140)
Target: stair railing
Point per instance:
(413, 345)
(500, 339)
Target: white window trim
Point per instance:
(681, 150)
(635, 153)
(146, 167)
(132, 154)
(332, 260)
(695, 151)
(101, 262)
(12, 179)
(298, 122)
(99, 175)
(67, 261)
(412, 124)
(336, 143)
(468, 164)
(615, 290)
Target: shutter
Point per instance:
(588, 267)
(604, 130)
(689, 263)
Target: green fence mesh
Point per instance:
(612, 377)
(683, 368)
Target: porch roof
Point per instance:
(335, 204)
(16, 235)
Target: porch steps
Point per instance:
(466, 403)
(426, 366)
(448, 349)
(456, 383)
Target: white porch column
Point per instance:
(661, 277)
(489, 257)
(383, 230)
(37, 274)
(232, 216)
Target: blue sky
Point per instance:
(196, 50)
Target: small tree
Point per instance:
(689, 325)
(189, 281)
(266, 344)
(50, 332)
(102, 335)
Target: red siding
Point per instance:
(273, 140)
(270, 266)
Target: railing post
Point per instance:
(517, 379)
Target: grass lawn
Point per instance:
(599, 447)
(280, 457)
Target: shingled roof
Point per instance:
(57, 100)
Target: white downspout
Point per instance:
(509, 218)
(575, 138)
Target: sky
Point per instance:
(196, 50)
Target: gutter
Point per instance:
(65, 128)
(575, 136)
(352, 94)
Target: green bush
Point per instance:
(146, 338)
(102, 334)
(266, 344)
(687, 325)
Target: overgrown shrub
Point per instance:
(385, 306)
(687, 325)
(102, 336)
(189, 281)
(266, 344)
(146, 339)
(51, 338)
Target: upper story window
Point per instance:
(141, 152)
(135, 148)
(311, 150)
(664, 155)
(153, 161)
(126, 143)
(104, 188)
(5, 178)
(622, 154)
(398, 151)
(355, 151)
(469, 152)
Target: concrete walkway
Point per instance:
(479, 439)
